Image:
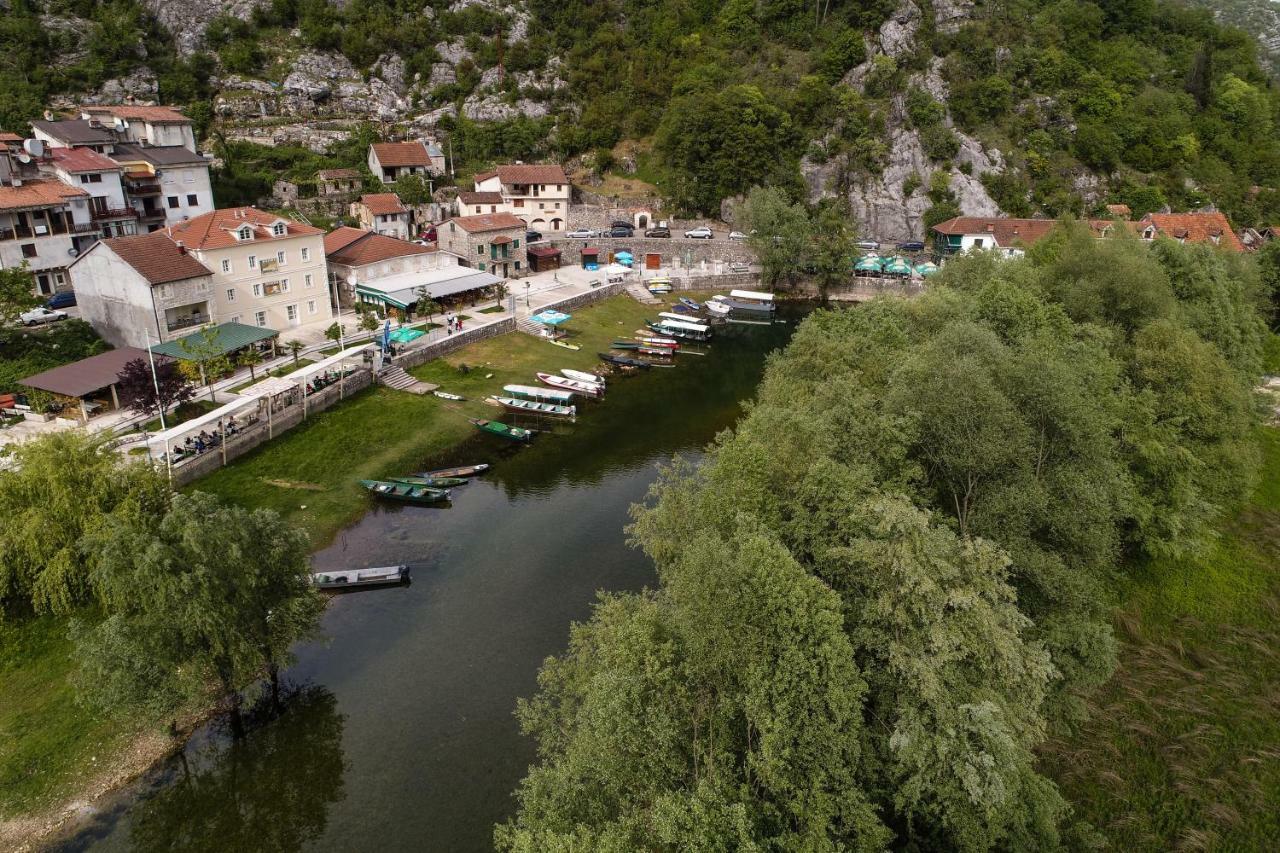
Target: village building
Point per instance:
(141, 290)
(538, 194)
(268, 271)
(74, 133)
(144, 125)
(489, 242)
(393, 274)
(337, 183)
(100, 177)
(391, 161)
(89, 386)
(1209, 227)
(383, 213)
(166, 184)
(476, 203)
(41, 222)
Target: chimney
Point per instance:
(182, 248)
(990, 227)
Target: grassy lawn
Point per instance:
(47, 741)
(182, 414)
(309, 474)
(1182, 750)
(492, 309)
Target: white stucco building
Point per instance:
(538, 194)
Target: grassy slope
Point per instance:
(1182, 750)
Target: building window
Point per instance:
(311, 306)
(253, 262)
(226, 265)
(515, 244)
(306, 280)
(292, 312)
(192, 201)
(280, 258)
(480, 249)
(557, 205)
(28, 250)
(517, 265)
(235, 318)
(91, 179)
(173, 202)
(284, 285)
(518, 203)
(260, 317)
(306, 254)
(480, 266)
(278, 229)
(257, 288)
(231, 294)
(244, 233)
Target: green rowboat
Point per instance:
(433, 482)
(406, 492)
(511, 433)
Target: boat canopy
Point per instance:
(753, 295)
(683, 324)
(683, 318)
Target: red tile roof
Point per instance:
(76, 160)
(401, 154)
(37, 194)
(341, 237)
(156, 258)
(529, 173)
(213, 230)
(6, 136)
(1122, 211)
(1212, 228)
(467, 197)
(130, 112)
(382, 204)
(1009, 232)
(370, 248)
(487, 222)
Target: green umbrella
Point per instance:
(868, 263)
(898, 266)
(927, 268)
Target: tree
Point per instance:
(63, 486)
(250, 357)
(334, 332)
(413, 189)
(216, 593)
(17, 293)
(832, 238)
(138, 386)
(425, 304)
(368, 321)
(206, 362)
(778, 231)
(294, 347)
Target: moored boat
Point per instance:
(624, 361)
(444, 395)
(625, 345)
(433, 482)
(407, 492)
(512, 433)
(671, 329)
(582, 376)
(715, 306)
(659, 284)
(537, 392)
(591, 389)
(458, 471)
(690, 303)
(664, 316)
(535, 408)
(664, 343)
(566, 345)
(352, 578)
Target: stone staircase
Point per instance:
(524, 324)
(641, 294)
(395, 377)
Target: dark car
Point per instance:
(532, 236)
(911, 246)
(622, 231)
(61, 299)
(620, 223)
(658, 232)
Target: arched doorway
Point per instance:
(557, 224)
(537, 224)
(642, 220)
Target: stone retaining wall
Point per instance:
(263, 431)
(421, 355)
(677, 252)
(865, 289)
(591, 296)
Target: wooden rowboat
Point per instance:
(460, 471)
(577, 385)
(391, 490)
(535, 408)
(352, 578)
(582, 376)
(624, 361)
(511, 433)
(446, 396)
(433, 482)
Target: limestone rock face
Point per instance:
(138, 85)
(187, 19)
(898, 34)
(495, 108)
(950, 15)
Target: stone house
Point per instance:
(391, 161)
(383, 213)
(539, 194)
(337, 183)
(490, 242)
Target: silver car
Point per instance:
(700, 233)
(41, 315)
(582, 234)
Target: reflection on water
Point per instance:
(424, 678)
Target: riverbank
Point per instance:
(57, 757)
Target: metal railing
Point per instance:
(115, 213)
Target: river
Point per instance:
(400, 732)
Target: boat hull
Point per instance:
(405, 492)
(361, 578)
(459, 471)
(623, 361)
(430, 482)
(510, 433)
(530, 407)
(582, 376)
(577, 386)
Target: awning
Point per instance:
(402, 290)
(380, 296)
(590, 250)
(86, 375)
(228, 337)
(544, 251)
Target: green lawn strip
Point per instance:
(1182, 747)
(47, 740)
(492, 309)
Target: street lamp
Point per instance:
(526, 294)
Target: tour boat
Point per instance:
(534, 407)
(433, 482)
(666, 316)
(406, 492)
(459, 471)
(351, 578)
(669, 328)
(747, 300)
(446, 396)
(591, 389)
(537, 392)
(582, 376)
(624, 361)
(513, 433)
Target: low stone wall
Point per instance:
(591, 296)
(263, 431)
(421, 355)
(677, 252)
(727, 281)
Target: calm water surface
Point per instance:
(400, 733)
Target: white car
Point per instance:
(581, 234)
(737, 235)
(701, 233)
(41, 315)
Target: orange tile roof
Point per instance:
(370, 248)
(487, 222)
(213, 230)
(340, 237)
(480, 197)
(156, 257)
(1123, 211)
(37, 194)
(131, 112)
(1211, 227)
(77, 160)
(531, 173)
(382, 204)
(6, 136)
(401, 154)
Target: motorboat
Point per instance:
(352, 578)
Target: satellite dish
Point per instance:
(34, 147)
(73, 251)
(24, 157)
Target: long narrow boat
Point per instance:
(459, 471)
(433, 482)
(749, 300)
(406, 492)
(682, 318)
(512, 433)
(657, 352)
(689, 303)
(591, 389)
(623, 361)
(353, 578)
(625, 345)
(443, 395)
(566, 345)
(648, 336)
(537, 392)
(582, 376)
(535, 408)
(677, 332)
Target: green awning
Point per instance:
(229, 338)
(375, 295)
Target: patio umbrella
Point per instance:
(868, 263)
(551, 318)
(898, 266)
(624, 258)
(926, 269)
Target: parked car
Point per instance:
(737, 235)
(622, 231)
(532, 236)
(699, 233)
(61, 299)
(581, 234)
(658, 232)
(869, 245)
(911, 246)
(620, 223)
(41, 315)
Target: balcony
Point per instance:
(114, 213)
(85, 228)
(151, 215)
(175, 322)
(142, 186)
